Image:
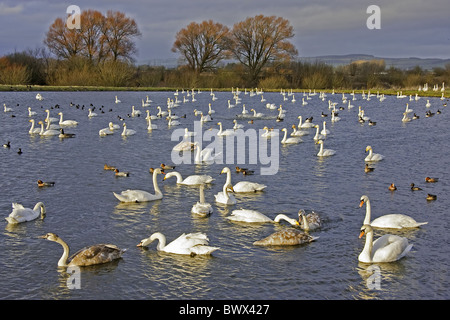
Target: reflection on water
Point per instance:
(82, 209)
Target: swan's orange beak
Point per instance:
(361, 203)
(361, 234)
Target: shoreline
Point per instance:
(37, 88)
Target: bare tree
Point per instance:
(259, 40)
(62, 41)
(202, 45)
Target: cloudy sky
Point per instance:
(409, 28)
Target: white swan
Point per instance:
(105, 132)
(145, 103)
(210, 111)
(160, 112)
(190, 180)
(140, 195)
(222, 132)
(325, 131)
(204, 155)
(291, 140)
(244, 111)
(318, 136)
(150, 126)
(310, 221)
(134, 112)
(117, 100)
(39, 97)
(297, 133)
(285, 237)
(388, 221)
(92, 114)
(190, 244)
(52, 126)
(50, 132)
(223, 196)
(242, 186)
(304, 125)
(127, 132)
(33, 129)
(66, 123)
(324, 152)
(21, 214)
(237, 125)
(269, 133)
(405, 117)
(202, 208)
(50, 119)
(91, 255)
(31, 113)
(253, 216)
(173, 122)
(373, 156)
(7, 109)
(257, 115)
(387, 248)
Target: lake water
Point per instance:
(82, 209)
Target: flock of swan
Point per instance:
(386, 248)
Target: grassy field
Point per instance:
(407, 92)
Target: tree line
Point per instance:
(256, 52)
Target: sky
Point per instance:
(407, 28)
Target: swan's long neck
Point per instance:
(220, 130)
(284, 217)
(370, 153)
(305, 223)
(42, 128)
(42, 207)
(63, 260)
(61, 117)
(149, 122)
(197, 155)
(228, 182)
(155, 183)
(299, 122)
(368, 212)
(202, 194)
(321, 148)
(32, 125)
(161, 240)
(178, 175)
(285, 136)
(317, 133)
(124, 129)
(48, 116)
(366, 253)
(225, 191)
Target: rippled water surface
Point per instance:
(82, 210)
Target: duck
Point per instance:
(118, 173)
(247, 172)
(7, 145)
(186, 244)
(392, 187)
(373, 156)
(431, 180)
(202, 208)
(62, 134)
(190, 180)
(415, 117)
(368, 169)
(91, 255)
(253, 216)
(324, 152)
(431, 197)
(127, 132)
(41, 184)
(21, 214)
(388, 221)
(291, 140)
(387, 248)
(242, 186)
(19, 151)
(166, 167)
(310, 221)
(286, 237)
(414, 188)
(108, 167)
(140, 195)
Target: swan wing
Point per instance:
(222, 198)
(21, 214)
(96, 254)
(286, 237)
(390, 248)
(396, 221)
(136, 196)
(245, 186)
(197, 179)
(245, 215)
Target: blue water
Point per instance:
(82, 210)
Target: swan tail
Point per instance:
(203, 250)
(11, 220)
(122, 198)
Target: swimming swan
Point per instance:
(223, 197)
(190, 180)
(291, 140)
(390, 221)
(22, 214)
(324, 152)
(387, 248)
(373, 156)
(50, 132)
(285, 237)
(309, 222)
(139, 195)
(95, 254)
(202, 208)
(127, 132)
(242, 186)
(253, 216)
(33, 130)
(66, 123)
(190, 244)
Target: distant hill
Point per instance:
(401, 63)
